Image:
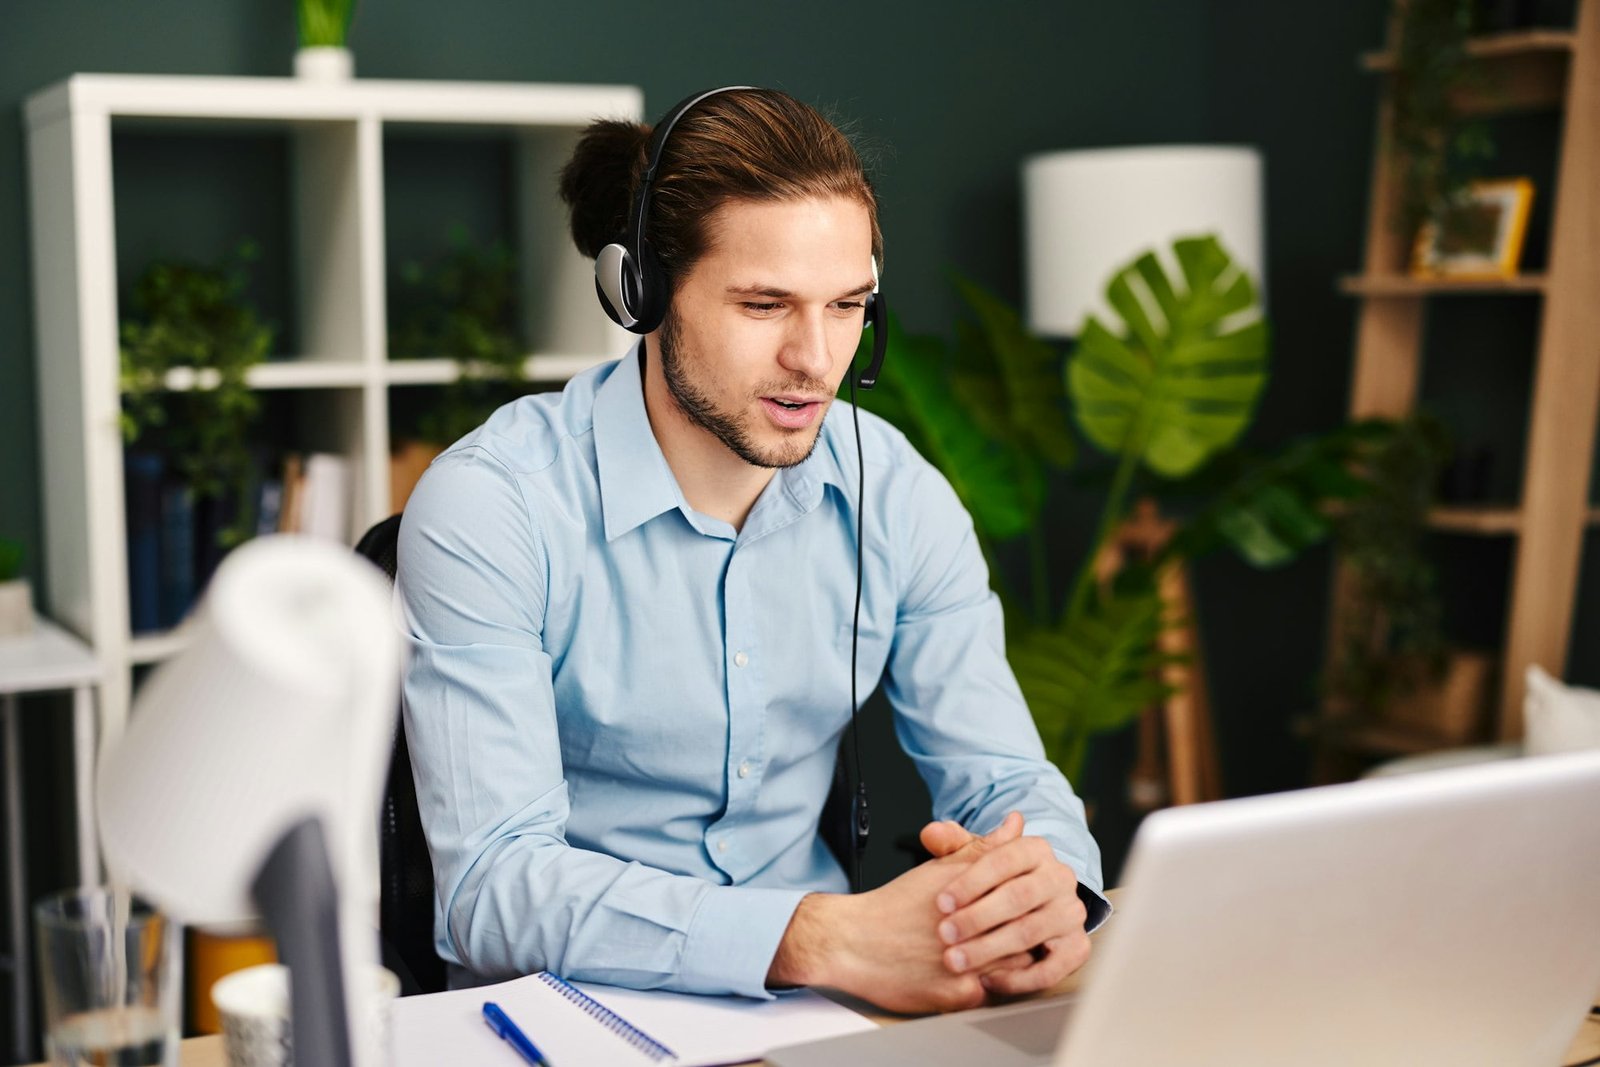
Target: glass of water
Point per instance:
(108, 969)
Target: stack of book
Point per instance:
(176, 538)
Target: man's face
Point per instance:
(761, 331)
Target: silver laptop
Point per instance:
(1449, 917)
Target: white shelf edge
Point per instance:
(279, 374)
(291, 99)
(544, 367)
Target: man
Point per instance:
(630, 611)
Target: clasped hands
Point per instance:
(996, 915)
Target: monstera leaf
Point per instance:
(1016, 375)
(999, 482)
(1094, 672)
(1182, 380)
(1278, 507)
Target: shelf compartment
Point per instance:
(1525, 70)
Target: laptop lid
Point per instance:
(1449, 917)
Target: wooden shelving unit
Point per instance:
(1526, 70)
(338, 383)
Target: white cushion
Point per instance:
(1557, 717)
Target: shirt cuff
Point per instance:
(1097, 909)
(733, 937)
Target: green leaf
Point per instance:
(1276, 509)
(1001, 485)
(1181, 381)
(1029, 375)
(1095, 672)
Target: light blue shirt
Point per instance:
(623, 714)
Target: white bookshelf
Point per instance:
(342, 374)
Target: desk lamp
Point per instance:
(250, 777)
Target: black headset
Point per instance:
(634, 292)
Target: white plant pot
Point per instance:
(16, 608)
(324, 63)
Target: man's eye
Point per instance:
(762, 307)
(850, 305)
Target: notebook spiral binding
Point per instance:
(608, 1018)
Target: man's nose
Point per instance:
(806, 349)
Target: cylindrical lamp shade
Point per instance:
(1089, 213)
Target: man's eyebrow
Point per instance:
(783, 294)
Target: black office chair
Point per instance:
(405, 908)
(405, 912)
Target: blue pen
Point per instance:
(507, 1031)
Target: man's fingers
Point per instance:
(1007, 901)
(1050, 920)
(999, 864)
(1015, 961)
(1063, 955)
(943, 838)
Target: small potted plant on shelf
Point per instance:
(324, 26)
(461, 306)
(1438, 150)
(16, 598)
(195, 320)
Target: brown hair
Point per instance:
(747, 144)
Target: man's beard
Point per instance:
(728, 427)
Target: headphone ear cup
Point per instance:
(617, 285)
(653, 292)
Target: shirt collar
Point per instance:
(636, 484)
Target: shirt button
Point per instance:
(740, 659)
(722, 846)
(744, 769)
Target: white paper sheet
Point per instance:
(448, 1028)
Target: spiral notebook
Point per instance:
(577, 1023)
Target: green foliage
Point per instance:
(10, 559)
(1390, 639)
(196, 317)
(1271, 509)
(324, 23)
(1175, 388)
(1181, 381)
(462, 307)
(1436, 149)
(1094, 670)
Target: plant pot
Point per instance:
(324, 63)
(16, 608)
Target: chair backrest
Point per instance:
(405, 911)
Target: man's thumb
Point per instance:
(943, 838)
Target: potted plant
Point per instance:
(460, 306)
(16, 598)
(1436, 148)
(1163, 397)
(195, 317)
(324, 25)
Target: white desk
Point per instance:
(46, 660)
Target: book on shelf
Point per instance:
(325, 507)
(144, 472)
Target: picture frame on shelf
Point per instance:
(1480, 237)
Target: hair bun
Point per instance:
(597, 183)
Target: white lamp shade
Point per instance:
(1089, 213)
(282, 706)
